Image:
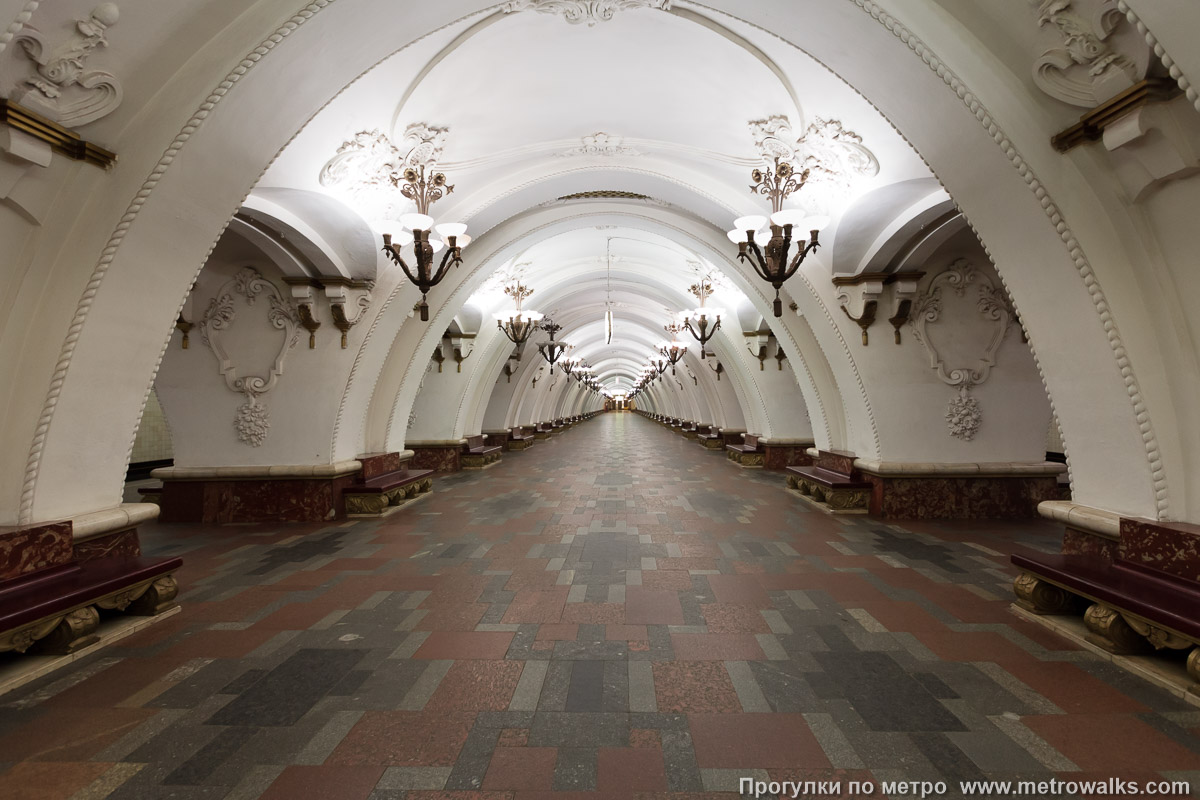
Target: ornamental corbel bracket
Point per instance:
(757, 343)
(904, 292)
(304, 297)
(439, 356)
(344, 294)
(860, 292)
(463, 345)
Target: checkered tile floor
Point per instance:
(614, 613)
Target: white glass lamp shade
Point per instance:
(736, 236)
(401, 238)
(448, 229)
(417, 222)
(462, 241)
(818, 223)
(789, 216)
(751, 223)
(711, 313)
(678, 346)
(437, 244)
(512, 314)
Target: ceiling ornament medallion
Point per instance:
(61, 74)
(583, 12)
(601, 144)
(962, 415)
(1093, 53)
(366, 167)
(252, 421)
(833, 156)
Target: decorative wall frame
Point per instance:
(963, 416)
(252, 421)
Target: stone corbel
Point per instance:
(757, 343)
(21, 154)
(904, 292)
(344, 294)
(304, 298)
(861, 293)
(1154, 144)
(183, 324)
(463, 345)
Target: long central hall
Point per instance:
(616, 612)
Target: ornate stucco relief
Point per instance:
(252, 421)
(63, 88)
(601, 144)
(1091, 53)
(834, 156)
(584, 12)
(364, 166)
(963, 415)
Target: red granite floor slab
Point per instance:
(744, 741)
(695, 687)
(323, 782)
(524, 768)
(626, 769)
(477, 686)
(644, 606)
(716, 647)
(404, 739)
(733, 618)
(469, 644)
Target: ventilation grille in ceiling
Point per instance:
(606, 194)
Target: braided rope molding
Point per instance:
(1172, 68)
(33, 462)
(1084, 267)
(18, 23)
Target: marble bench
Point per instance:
(1130, 606)
(477, 455)
(747, 454)
(55, 611)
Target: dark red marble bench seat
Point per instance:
(827, 478)
(374, 495)
(749, 445)
(1134, 588)
(59, 602)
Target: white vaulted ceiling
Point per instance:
(654, 106)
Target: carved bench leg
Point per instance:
(74, 632)
(1034, 594)
(158, 598)
(1107, 629)
(366, 503)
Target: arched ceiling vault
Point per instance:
(652, 105)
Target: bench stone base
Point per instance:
(476, 461)
(69, 631)
(518, 444)
(713, 444)
(374, 504)
(540, 435)
(833, 501)
(746, 460)
(1109, 628)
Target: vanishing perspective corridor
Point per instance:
(615, 612)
